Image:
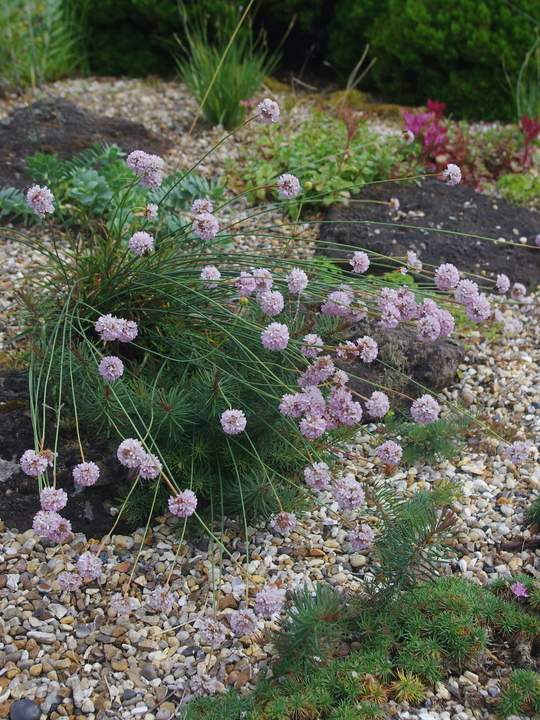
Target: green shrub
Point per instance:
(454, 50)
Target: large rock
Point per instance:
(404, 364)
(55, 125)
(442, 224)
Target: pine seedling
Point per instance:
(408, 687)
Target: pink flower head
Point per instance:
(149, 166)
(53, 499)
(269, 600)
(40, 200)
(378, 404)
(390, 453)
(205, 226)
(312, 426)
(390, 317)
(86, 473)
(233, 421)
(212, 632)
(268, 111)
(519, 590)
(283, 522)
(446, 322)
(452, 174)
(337, 303)
(127, 331)
(503, 284)
(518, 452)
(152, 180)
(297, 281)
(89, 566)
(50, 524)
(340, 378)
(313, 400)
(123, 605)
(288, 186)
(151, 211)
(479, 309)
(111, 368)
(141, 243)
(33, 463)
(271, 302)
(428, 328)
(149, 467)
(275, 336)
(317, 476)
(313, 345)
(183, 504)
(130, 452)
(161, 600)
(202, 207)
(412, 260)
(61, 529)
(361, 538)
(425, 410)
(466, 292)
(69, 581)
(245, 284)
(368, 348)
(263, 279)
(243, 622)
(210, 272)
(348, 493)
(446, 276)
(342, 407)
(108, 327)
(292, 405)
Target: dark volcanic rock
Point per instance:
(420, 365)
(66, 129)
(442, 224)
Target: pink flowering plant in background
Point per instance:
(224, 378)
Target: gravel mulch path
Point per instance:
(73, 655)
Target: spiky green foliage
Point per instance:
(312, 627)
(521, 696)
(230, 706)
(533, 512)
(440, 440)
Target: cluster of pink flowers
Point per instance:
(359, 262)
(348, 493)
(86, 474)
(518, 452)
(112, 328)
(368, 348)
(361, 537)
(425, 410)
(269, 600)
(317, 476)
(122, 604)
(233, 421)
(378, 404)
(111, 368)
(210, 272)
(395, 306)
(297, 281)
(433, 322)
(150, 167)
(141, 243)
(412, 260)
(51, 525)
(161, 600)
(268, 111)
(243, 622)
(477, 306)
(53, 499)
(288, 186)
(212, 632)
(275, 336)
(184, 504)
(446, 276)
(35, 464)
(390, 453)
(89, 566)
(502, 284)
(313, 345)
(131, 454)
(40, 200)
(283, 522)
(205, 225)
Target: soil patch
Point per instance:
(442, 224)
(55, 125)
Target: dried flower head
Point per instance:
(123, 605)
(212, 632)
(161, 600)
(151, 211)
(394, 204)
(40, 200)
(518, 291)
(69, 581)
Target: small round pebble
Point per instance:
(25, 710)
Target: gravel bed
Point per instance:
(71, 654)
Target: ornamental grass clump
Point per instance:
(220, 378)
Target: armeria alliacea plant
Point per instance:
(219, 376)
